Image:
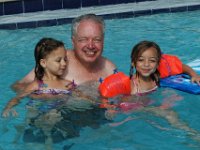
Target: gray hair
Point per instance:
(93, 17)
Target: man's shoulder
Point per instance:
(108, 67)
(108, 63)
(69, 52)
(70, 55)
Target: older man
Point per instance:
(85, 60)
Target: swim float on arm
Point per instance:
(169, 65)
(172, 76)
(115, 84)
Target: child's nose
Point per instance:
(146, 63)
(63, 63)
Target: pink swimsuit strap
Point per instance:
(138, 90)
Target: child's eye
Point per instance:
(140, 59)
(58, 60)
(153, 60)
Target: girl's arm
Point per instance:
(14, 101)
(194, 76)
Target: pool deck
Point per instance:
(151, 7)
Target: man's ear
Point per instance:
(43, 63)
(73, 39)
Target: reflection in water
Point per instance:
(144, 106)
(64, 117)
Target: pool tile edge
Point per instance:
(119, 15)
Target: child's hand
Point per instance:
(6, 113)
(196, 79)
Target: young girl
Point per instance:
(51, 62)
(150, 65)
(145, 58)
(48, 91)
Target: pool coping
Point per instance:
(107, 12)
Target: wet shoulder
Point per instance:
(109, 66)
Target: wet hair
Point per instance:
(92, 17)
(42, 49)
(137, 51)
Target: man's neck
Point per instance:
(91, 67)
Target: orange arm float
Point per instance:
(115, 84)
(169, 65)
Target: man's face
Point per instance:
(88, 42)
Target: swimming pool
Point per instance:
(176, 33)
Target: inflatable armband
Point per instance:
(169, 65)
(115, 84)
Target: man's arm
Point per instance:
(21, 84)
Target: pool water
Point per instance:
(176, 33)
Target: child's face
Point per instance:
(147, 62)
(56, 62)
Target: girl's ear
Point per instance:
(43, 63)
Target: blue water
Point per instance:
(176, 33)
